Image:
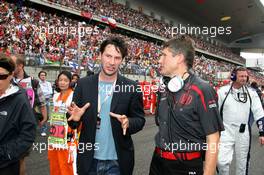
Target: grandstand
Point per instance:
(46, 31)
(56, 35)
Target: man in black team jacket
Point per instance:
(110, 110)
(187, 116)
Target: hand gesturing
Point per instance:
(76, 112)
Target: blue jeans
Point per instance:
(104, 167)
(44, 127)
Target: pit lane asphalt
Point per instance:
(37, 163)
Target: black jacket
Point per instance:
(127, 103)
(17, 127)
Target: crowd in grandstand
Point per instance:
(52, 38)
(137, 19)
(28, 31)
(217, 50)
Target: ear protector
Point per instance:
(173, 84)
(233, 75)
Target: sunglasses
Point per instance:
(3, 76)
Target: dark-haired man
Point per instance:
(110, 112)
(75, 78)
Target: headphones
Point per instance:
(173, 84)
(233, 75)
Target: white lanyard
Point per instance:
(99, 106)
(17, 80)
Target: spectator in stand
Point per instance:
(25, 36)
(20, 33)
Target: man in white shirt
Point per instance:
(47, 92)
(236, 102)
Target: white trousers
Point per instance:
(231, 140)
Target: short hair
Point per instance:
(7, 63)
(182, 45)
(119, 44)
(20, 59)
(42, 71)
(75, 75)
(239, 68)
(254, 85)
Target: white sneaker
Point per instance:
(43, 134)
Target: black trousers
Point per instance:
(12, 169)
(161, 166)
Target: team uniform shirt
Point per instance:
(186, 117)
(232, 106)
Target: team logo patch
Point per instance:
(212, 104)
(186, 99)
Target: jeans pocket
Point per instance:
(113, 168)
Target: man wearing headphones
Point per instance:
(236, 102)
(187, 116)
